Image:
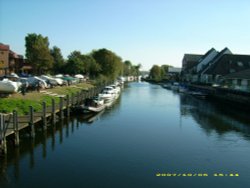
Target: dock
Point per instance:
(11, 124)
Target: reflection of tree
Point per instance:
(212, 116)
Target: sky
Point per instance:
(143, 31)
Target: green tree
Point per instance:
(38, 53)
(137, 69)
(75, 64)
(92, 68)
(127, 68)
(110, 63)
(155, 73)
(58, 61)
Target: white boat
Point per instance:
(175, 86)
(8, 86)
(93, 105)
(167, 85)
(106, 96)
(116, 88)
(53, 81)
(198, 94)
(183, 89)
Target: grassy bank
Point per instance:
(21, 103)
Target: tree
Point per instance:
(110, 63)
(58, 61)
(75, 64)
(38, 53)
(137, 69)
(127, 67)
(92, 68)
(156, 73)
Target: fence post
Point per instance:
(67, 107)
(31, 122)
(15, 125)
(78, 98)
(53, 112)
(3, 144)
(44, 116)
(61, 108)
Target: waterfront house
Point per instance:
(237, 80)
(189, 63)
(205, 74)
(212, 66)
(224, 65)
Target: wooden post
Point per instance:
(31, 122)
(68, 108)
(72, 100)
(3, 144)
(53, 112)
(78, 98)
(61, 108)
(15, 125)
(44, 116)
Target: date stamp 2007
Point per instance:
(197, 175)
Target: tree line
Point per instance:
(160, 73)
(101, 63)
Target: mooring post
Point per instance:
(3, 144)
(15, 125)
(83, 96)
(67, 107)
(31, 122)
(53, 112)
(44, 116)
(72, 100)
(78, 98)
(61, 108)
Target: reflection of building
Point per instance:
(214, 117)
(11, 61)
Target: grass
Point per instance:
(21, 103)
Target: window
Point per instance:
(231, 70)
(239, 82)
(240, 64)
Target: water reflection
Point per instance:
(212, 116)
(45, 140)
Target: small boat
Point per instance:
(93, 105)
(183, 89)
(107, 97)
(167, 86)
(175, 86)
(8, 86)
(198, 94)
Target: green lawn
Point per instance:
(21, 102)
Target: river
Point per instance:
(151, 137)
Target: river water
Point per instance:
(151, 137)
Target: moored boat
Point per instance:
(93, 105)
(198, 94)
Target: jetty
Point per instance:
(11, 124)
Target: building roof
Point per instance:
(215, 60)
(208, 52)
(245, 74)
(4, 47)
(229, 63)
(191, 60)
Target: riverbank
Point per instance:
(21, 103)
